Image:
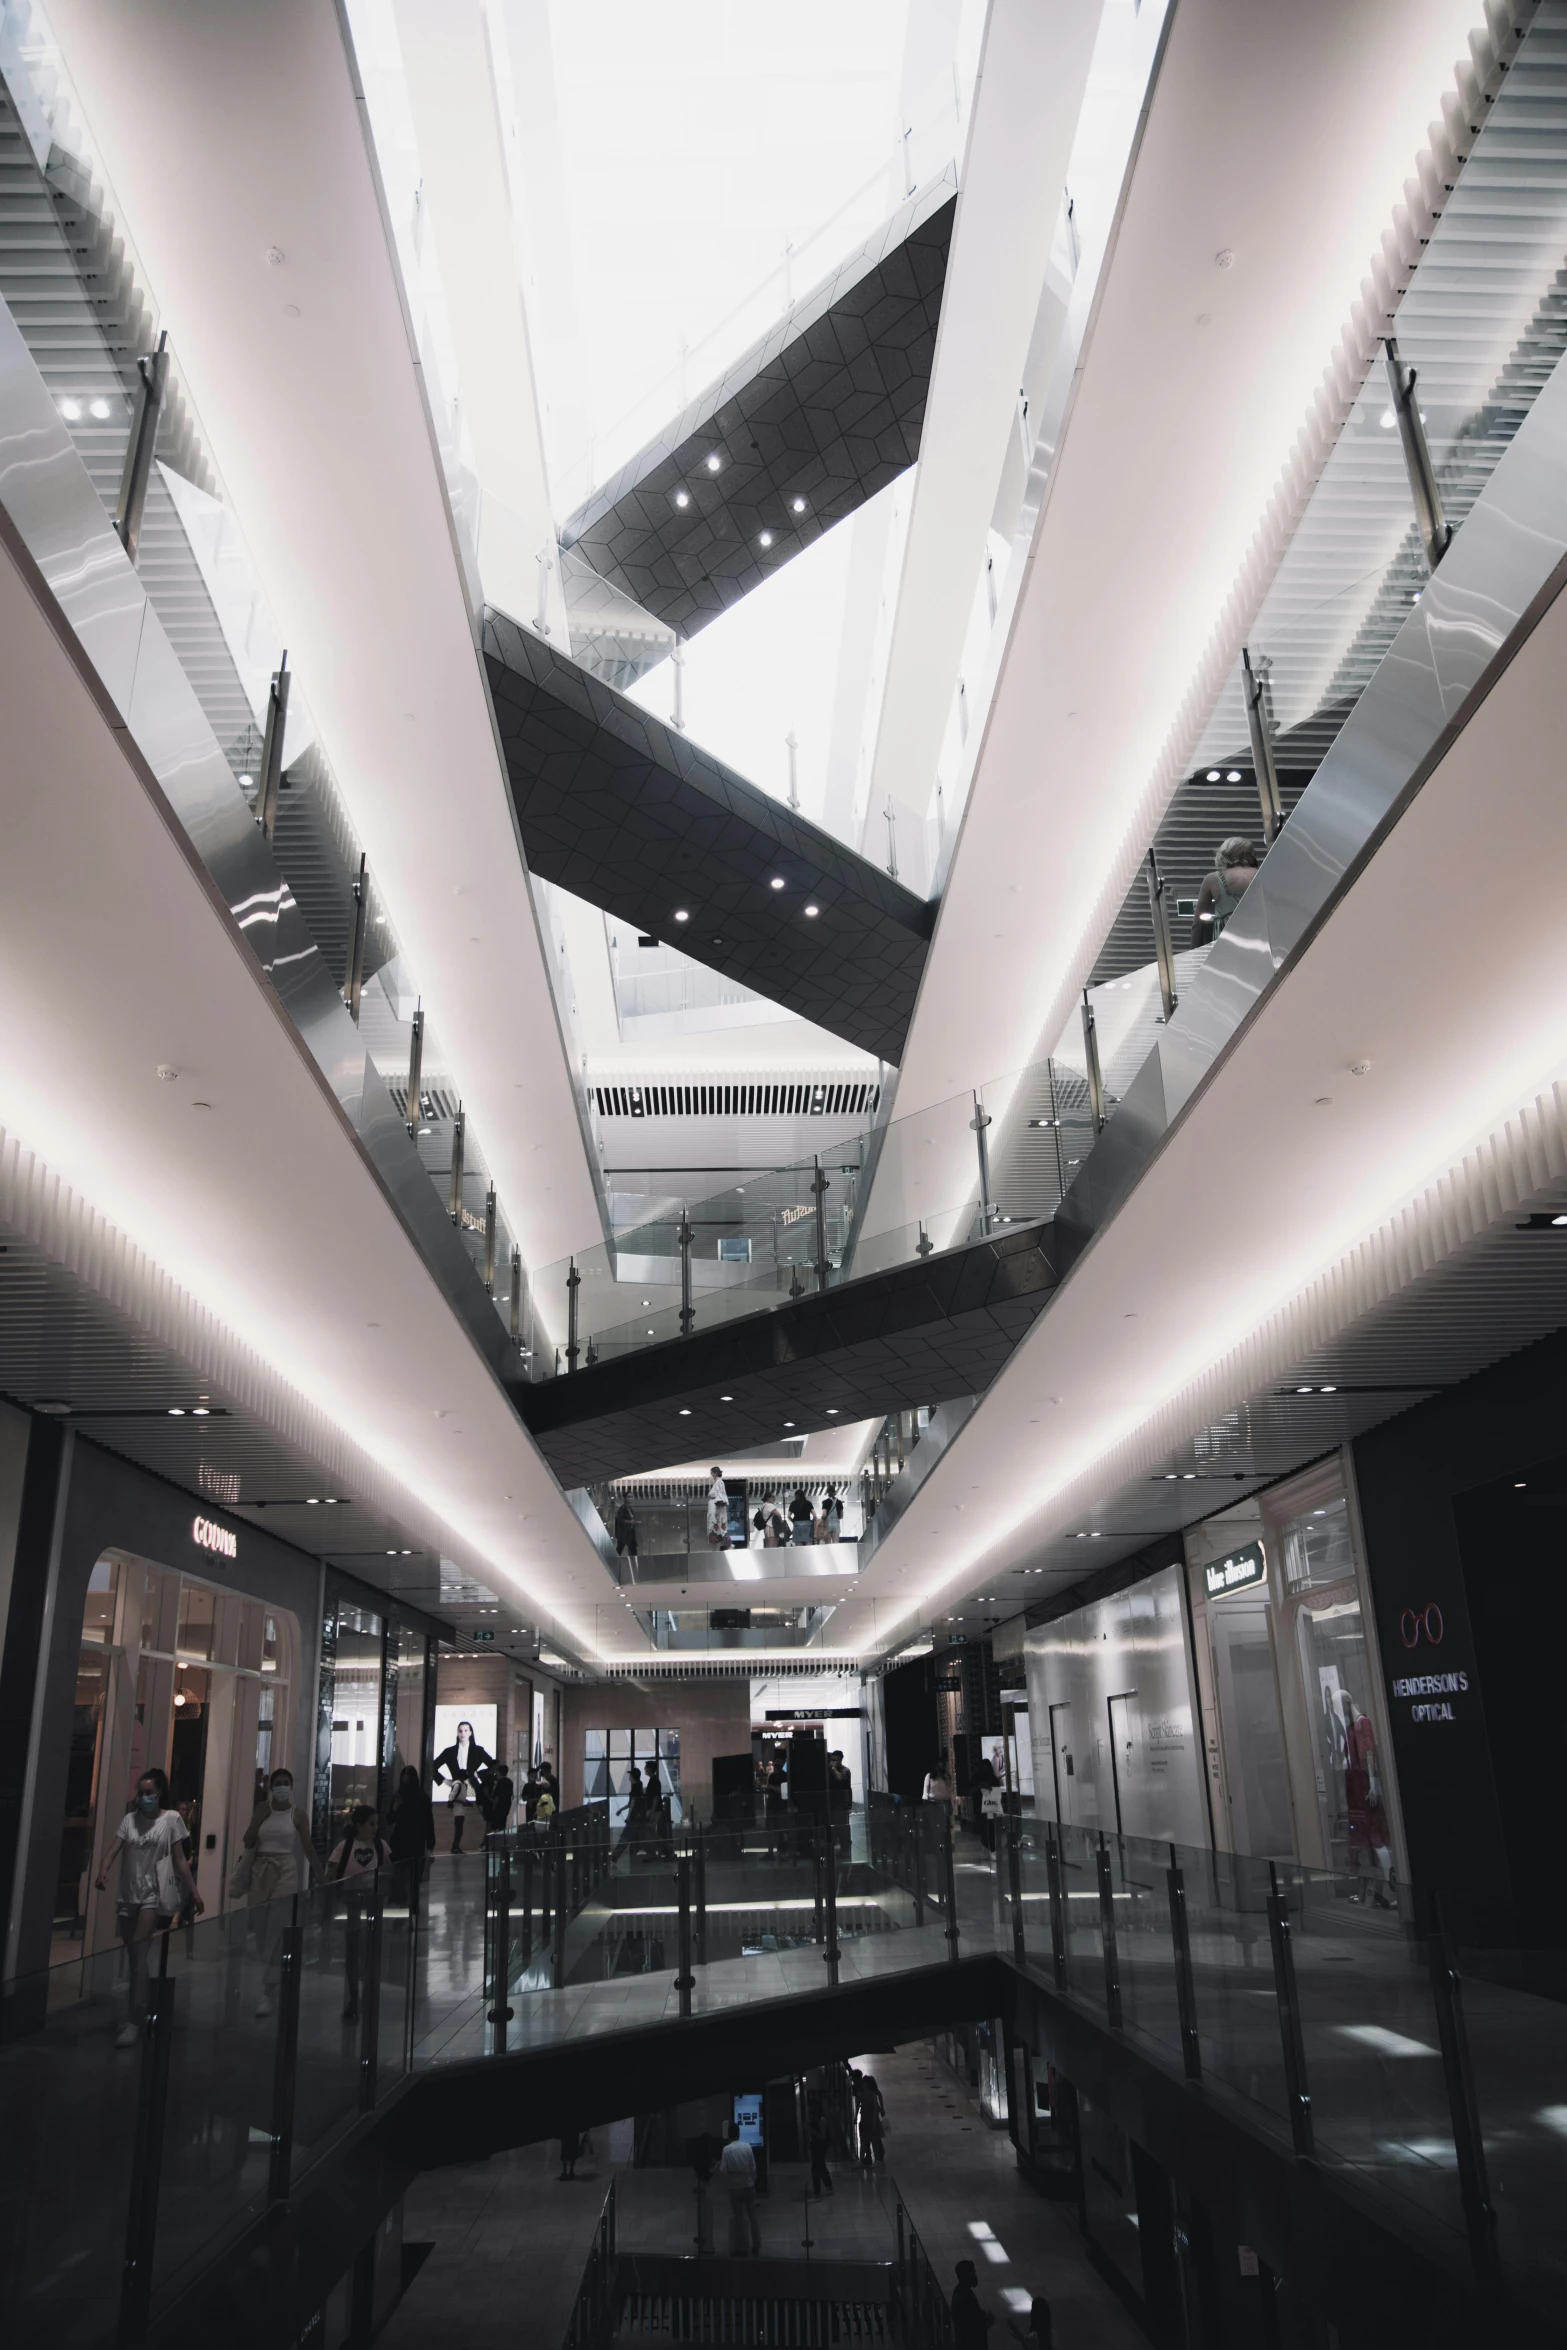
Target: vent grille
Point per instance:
(778, 1098)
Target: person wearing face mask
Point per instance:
(273, 1847)
(155, 1885)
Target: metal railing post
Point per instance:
(820, 1188)
(918, 1868)
(1436, 532)
(1015, 1874)
(687, 1310)
(1474, 2187)
(1185, 1986)
(700, 1845)
(1107, 1935)
(285, 2055)
(411, 1102)
(1096, 1083)
(1164, 953)
(270, 778)
(152, 2100)
(573, 1284)
(454, 1199)
(152, 370)
(527, 1909)
(489, 1240)
(949, 1872)
(979, 1126)
(1057, 1891)
(516, 1297)
(1295, 2089)
(499, 1923)
(558, 1957)
(685, 1980)
(830, 1875)
(1262, 762)
(354, 979)
(369, 1925)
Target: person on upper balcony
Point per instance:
(718, 1512)
(1235, 863)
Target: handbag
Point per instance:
(240, 1873)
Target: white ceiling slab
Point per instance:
(237, 1175)
(1359, 1180)
(236, 145)
(1032, 73)
(1246, 271)
(451, 91)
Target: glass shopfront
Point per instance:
(175, 1674)
(375, 1704)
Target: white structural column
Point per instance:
(451, 91)
(1026, 105)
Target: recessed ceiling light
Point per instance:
(765, 538)
(1096, 1536)
(797, 505)
(777, 883)
(650, 1334)
(726, 1399)
(685, 1411)
(1305, 1391)
(1520, 1484)
(832, 1411)
(1213, 775)
(682, 497)
(98, 408)
(312, 1500)
(71, 410)
(714, 461)
(1327, 1391)
(1188, 1476)
(1559, 1219)
(811, 912)
(176, 1411)
(681, 915)
(788, 1423)
(1387, 420)
(1233, 776)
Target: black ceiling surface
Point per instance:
(822, 413)
(627, 814)
(919, 1334)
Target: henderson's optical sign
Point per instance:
(211, 1536)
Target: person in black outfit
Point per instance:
(804, 1516)
(872, 2112)
(463, 1765)
(985, 1783)
(820, 2140)
(626, 1531)
(500, 1794)
(412, 1824)
(970, 2323)
(840, 1797)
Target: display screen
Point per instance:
(481, 1719)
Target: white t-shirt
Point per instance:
(147, 1879)
(717, 1506)
(738, 2164)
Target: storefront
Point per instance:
(145, 1630)
(1295, 1733)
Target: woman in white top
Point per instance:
(938, 1787)
(155, 1885)
(358, 1856)
(275, 1844)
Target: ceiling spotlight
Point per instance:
(765, 539)
(832, 1411)
(682, 497)
(176, 1411)
(1327, 1391)
(685, 1411)
(1188, 1476)
(726, 1399)
(1559, 1219)
(714, 461)
(788, 1423)
(1170, 1476)
(1096, 1536)
(391, 1554)
(777, 883)
(71, 410)
(682, 915)
(1305, 1391)
(1387, 420)
(1233, 776)
(201, 1411)
(1213, 775)
(650, 1334)
(98, 408)
(797, 505)
(312, 1501)
(1520, 1484)
(811, 913)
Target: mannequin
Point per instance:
(1363, 1799)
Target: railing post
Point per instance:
(153, 371)
(152, 2099)
(820, 1187)
(558, 1967)
(499, 1923)
(1058, 1947)
(978, 1127)
(1262, 765)
(489, 1240)
(1015, 1874)
(1289, 2017)
(415, 1064)
(918, 1868)
(573, 1284)
(1107, 1935)
(354, 979)
(527, 1909)
(1185, 1986)
(1468, 2138)
(949, 1872)
(270, 783)
(285, 2055)
(687, 1309)
(685, 1980)
(830, 1874)
(1436, 532)
(369, 1925)
(1164, 953)
(700, 1845)
(454, 1197)
(516, 1297)
(1096, 1083)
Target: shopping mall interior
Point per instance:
(818, 673)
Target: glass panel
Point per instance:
(252, 1626)
(160, 1611)
(1336, 1675)
(271, 1645)
(620, 1743)
(197, 1613)
(1145, 1952)
(188, 1746)
(84, 1768)
(1232, 1974)
(593, 1742)
(410, 1664)
(103, 1594)
(356, 1715)
(1317, 1548)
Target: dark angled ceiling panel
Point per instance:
(806, 426)
(919, 1334)
(627, 814)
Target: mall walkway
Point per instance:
(509, 2240)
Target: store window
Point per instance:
(1335, 1738)
(356, 1713)
(607, 1758)
(182, 1676)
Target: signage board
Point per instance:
(1237, 1571)
(208, 1535)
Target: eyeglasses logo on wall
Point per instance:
(214, 1537)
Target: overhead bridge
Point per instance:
(629, 815)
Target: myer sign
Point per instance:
(214, 1537)
(1235, 1573)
